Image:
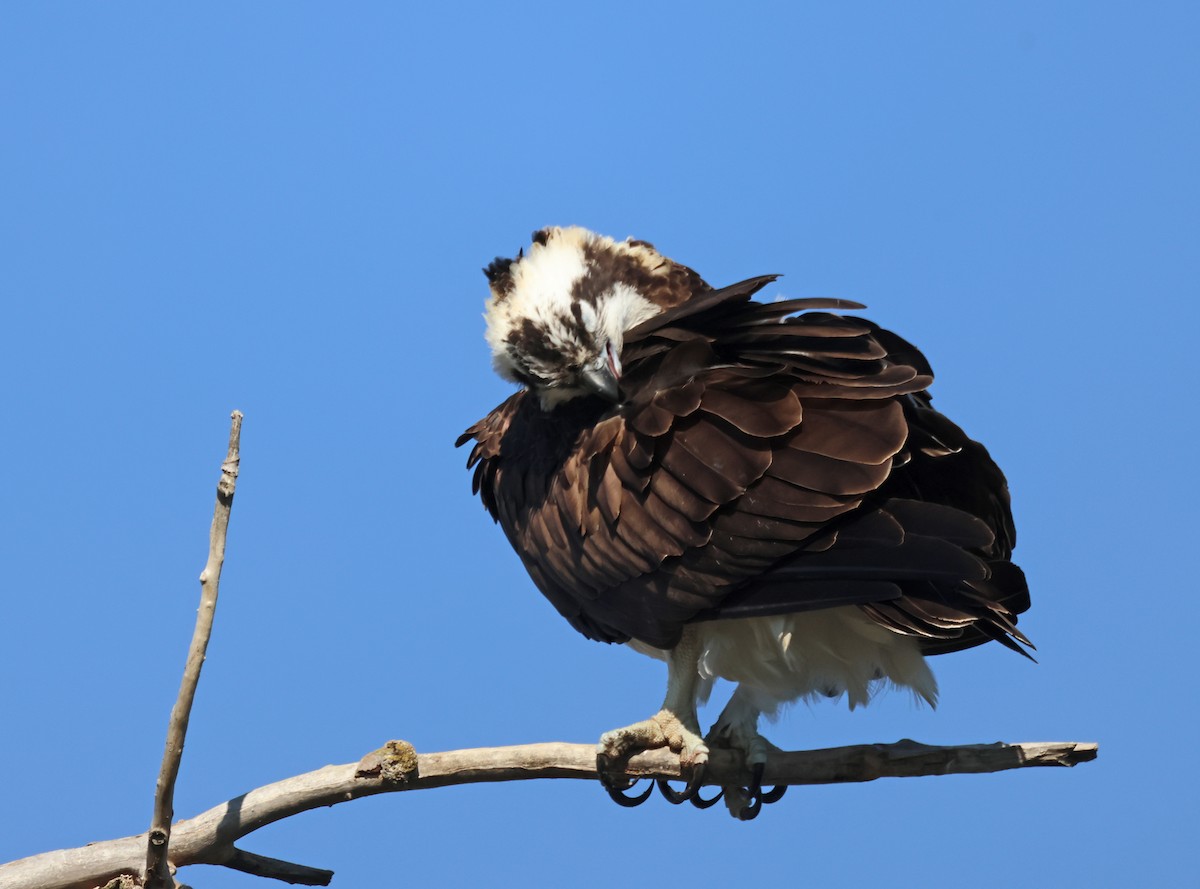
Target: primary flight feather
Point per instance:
(756, 491)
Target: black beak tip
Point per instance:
(600, 381)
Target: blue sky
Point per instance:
(284, 207)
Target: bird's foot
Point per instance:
(663, 729)
(744, 803)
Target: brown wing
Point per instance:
(761, 464)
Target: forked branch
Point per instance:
(157, 871)
(209, 837)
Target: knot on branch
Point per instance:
(394, 763)
(125, 881)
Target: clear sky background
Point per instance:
(284, 208)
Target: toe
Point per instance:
(664, 729)
(631, 739)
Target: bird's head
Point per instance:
(558, 313)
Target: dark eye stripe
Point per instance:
(532, 341)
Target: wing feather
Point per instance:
(761, 463)
(761, 410)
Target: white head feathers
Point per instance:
(557, 315)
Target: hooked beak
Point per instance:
(603, 376)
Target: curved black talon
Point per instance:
(675, 797)
(751, 811)
(756, 796)
(701, 803)
(617, 795)
(670, 794)
(615, 788)
(774, 795)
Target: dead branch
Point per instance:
(209, 837)
(157, 871)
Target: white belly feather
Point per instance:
(817, 653)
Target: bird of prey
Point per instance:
(759, 491)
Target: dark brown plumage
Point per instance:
(765, 459)
(762, 462)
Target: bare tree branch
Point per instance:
(209, 837)
(158, 874)
(262, 866)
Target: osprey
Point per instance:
(760, 491)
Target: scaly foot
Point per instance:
(737, 729)
(663, 729)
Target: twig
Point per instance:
(262, 866)
(157, 871)
(209, 837)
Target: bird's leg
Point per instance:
(675, 726)
(737, 729)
